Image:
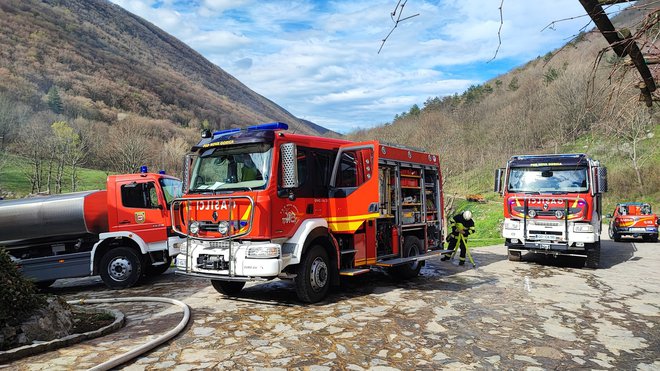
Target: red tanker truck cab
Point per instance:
(122, 233)
(263, 203)
(552, 205)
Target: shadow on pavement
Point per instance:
(611, 254)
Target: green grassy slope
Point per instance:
(13, 177)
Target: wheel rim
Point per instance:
(318, 274)
(120, 268)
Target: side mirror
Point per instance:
(289, 164)
(601, 179)
(187, 166)
(499, 175)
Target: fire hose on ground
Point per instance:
(133, 353)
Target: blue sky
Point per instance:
(319, 59)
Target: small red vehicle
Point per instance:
(634, 219)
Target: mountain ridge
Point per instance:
(105, 60)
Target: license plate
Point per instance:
(638, 229)
(545, 237)
(545, 246)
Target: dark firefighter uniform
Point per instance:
(462, 226)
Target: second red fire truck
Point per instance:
(552, 205)
(262, 203)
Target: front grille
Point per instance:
(551, 233)
(216, 262)
(220, 244)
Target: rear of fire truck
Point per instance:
(552, 205)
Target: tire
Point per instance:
(229, 288)
(651, 238)
(514, 256)
(412, 246)
(613, 235)
(593, 256)
(313, 275)
(155, 270)
(121, 267)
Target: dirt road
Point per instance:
(543, 313)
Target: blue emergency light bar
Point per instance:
(269, 126)
(225, 132)
(143, 169)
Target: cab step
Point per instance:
(399, 261)
(354, 271)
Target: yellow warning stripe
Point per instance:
(345, 226)
(352, 217)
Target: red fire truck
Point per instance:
(552, 205)
(121, 233)
(263, 203)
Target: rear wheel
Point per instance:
(313, 275)
(613, 235)
(229, 288)
(651, 238)
(412, 246)
(121, 267)
(514, 256)
(593, 256)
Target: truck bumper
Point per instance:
(636, 231)
(550, 237)
(230, 261)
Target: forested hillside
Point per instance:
(84, 82)
(571, 100)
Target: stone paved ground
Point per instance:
(506, 315)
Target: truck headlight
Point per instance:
(194, 227)
(511, 224)
(223, 227)
(583, 228)
(183, 247)
(262, 252)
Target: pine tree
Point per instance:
(54, 100)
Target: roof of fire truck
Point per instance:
(266, 132)
(572, 159)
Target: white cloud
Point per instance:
(319, 59)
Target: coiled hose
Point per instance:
(146, 346)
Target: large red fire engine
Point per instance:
(263, 203)
(552, 205)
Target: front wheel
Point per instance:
(412, 246)
(593, 256)
(514, 256)
(229, 288)
(313, 275)
(121, 267)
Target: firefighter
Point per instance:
(462, 226)
(249, 170)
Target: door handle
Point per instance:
(125, 222)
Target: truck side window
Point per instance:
(347, 174)
(139, 195)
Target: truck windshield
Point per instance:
(548, 180)
(232, 168)
(171, 189)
